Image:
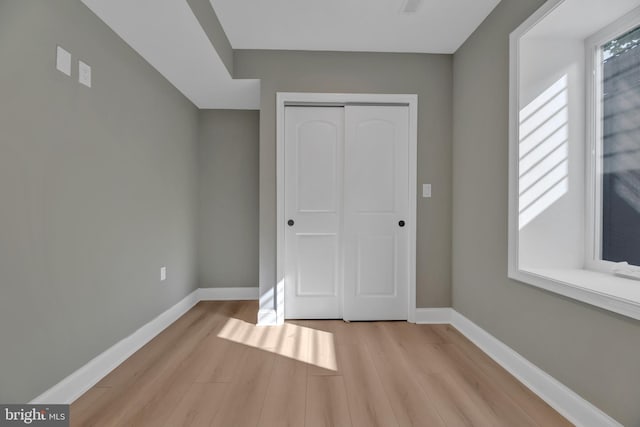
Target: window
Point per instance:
(615, 139)
(574, 152)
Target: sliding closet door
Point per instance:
(376, 208)
(314, 139)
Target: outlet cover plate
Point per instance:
(426, 190)
(63, 60)
(84, 74)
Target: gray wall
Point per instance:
(97, 190)
(228, 198)
(592, 351)
(429, 76)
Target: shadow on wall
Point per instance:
(543, 151)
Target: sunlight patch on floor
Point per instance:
(307, 345)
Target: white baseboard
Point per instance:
(76, 384)
(425, 316)
(225, 294)
(557, 395)
(268, 318)
(561, 398)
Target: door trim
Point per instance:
(284, 99)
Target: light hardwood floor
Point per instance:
(215, 367)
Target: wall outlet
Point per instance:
(163, 274)
(84, 74)
(63, 60)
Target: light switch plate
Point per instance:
(84, 74)
(426, 190)
(63, 60)
(163, 274)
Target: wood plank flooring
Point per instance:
(215, 367)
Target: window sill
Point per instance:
(602, 290)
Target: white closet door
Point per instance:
(376, 208)
(314, 139)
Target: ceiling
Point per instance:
(170, 38)
(438, 26)
(168, 35)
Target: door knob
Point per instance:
(290, 223)
(401, 223)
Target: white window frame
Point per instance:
(593, 235)
(596, 288)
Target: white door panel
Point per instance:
(313, 201)
(376, 199)
(372, 167)
(317, 150)
(381, 252)
(346, 191)
(317, 261)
